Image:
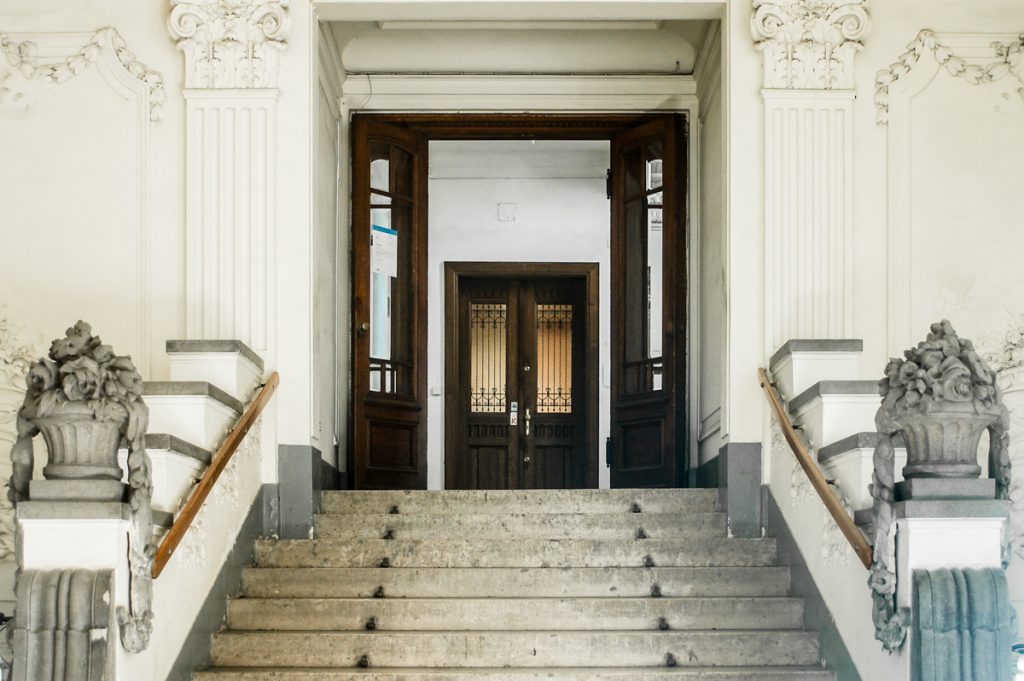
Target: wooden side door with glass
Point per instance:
(647, 442)
(389, 227)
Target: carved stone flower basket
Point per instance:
(943, 443)
(79, 445)
(86, 401)
(942, 397)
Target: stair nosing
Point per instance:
(191, 389)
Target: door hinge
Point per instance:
(608, 184)
(608, 452)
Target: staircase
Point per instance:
(581, 585)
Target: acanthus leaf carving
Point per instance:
(809, 44)
(1008, 60)
(230, 43)
(21, 55)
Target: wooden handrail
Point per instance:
(828, 497)
(217, 465)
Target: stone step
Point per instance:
(176, 466)
(527, 525)
(515, 553)
(195, 411)
(229, 364)
(850, 462)
(519, 614)
(538, 674)
(517, 649)
(800, 363)
(522, 501)
(832, 410)
(514, 582)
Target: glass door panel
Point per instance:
(389, 315)
(648, 304)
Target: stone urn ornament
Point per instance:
(943, 396)
(86, 401)
(940, 397)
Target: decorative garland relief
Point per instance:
(1007, 61)
(22, 56)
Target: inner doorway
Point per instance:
(645, 375)
(521, 358)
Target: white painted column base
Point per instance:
(80, 535)
(928, 543)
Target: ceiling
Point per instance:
(519, 47)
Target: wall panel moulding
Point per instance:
(808, 214)
(231, 71)
(808, 49)
(230, 215)
(936, 83)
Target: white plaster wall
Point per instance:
(744, 227)
(568, 47)
(964, 200)
(711, 290)
(327, 361)
(562, 216)
(297, 119)
(90, 189)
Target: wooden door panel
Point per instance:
(486, 467)
(537, 326)
(552, 468)
(648, 305)
(389, 202)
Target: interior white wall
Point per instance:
(91, 189)
(964, 199)
(329, 365)
(562, 215)
(964, 246)
(505, 47)
(712, 295)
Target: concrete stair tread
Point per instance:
(191, 389)
(179, 446)
(523, 501)
(531, 525)
(822, 388)
(545, 648)
(230, 346)
(804, 673)
(515, 552)
(531, 582)
(519, 614)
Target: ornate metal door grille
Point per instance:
(554, 359)
(488, 331)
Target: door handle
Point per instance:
(527, 420)
(363, 328)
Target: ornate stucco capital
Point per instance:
(230, 43)
(809, 44)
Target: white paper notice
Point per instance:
(384, 251)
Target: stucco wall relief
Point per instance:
(230, 43)
(22, 55)
(17, 352)
(809, 44)
(1007, 61)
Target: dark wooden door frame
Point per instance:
(545, 126)
(456, 271)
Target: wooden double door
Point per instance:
(647, 444)
(521, 387)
